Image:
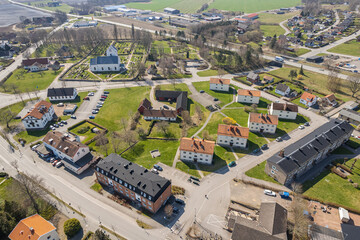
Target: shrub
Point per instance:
(3, 174)
(176, 190)
(72, 227)
(83, 130)
(356, 185)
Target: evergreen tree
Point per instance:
(273, 42)
(301, 72)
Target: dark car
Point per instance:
(106, 92)
(216, 99)
(196, 183)
(307, 124)
(102, 99)
(166, 107)
(202, 91)
(86, 98)
(158, 167)
(256, 150)
(265, 146)
(91, 117)
(195, 178)
(233, 163)
(179, 201)
(17, 117)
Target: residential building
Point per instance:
(34, 227)
(36, 64)
(145, 104)
(308, 99)
(162, 114)
(282, 89)
(248, 96)
(171, 96)
(329, 100)
(218, 84)
(284, 110)
(252, 16)
(291, 163)
(268, 79)
(350, 116)
(197, 150)
(112, 51)
(264, 123)
(39, 117)
(134, 182)
(6, 50)
(233, 136)
(79, 24)
(106, 64)
(253, 78)
(62, 94)
(270, 225)
(314, 59)
(75, 155)
(171, 11)
(242, 27)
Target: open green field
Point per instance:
(270, 18)
(43, 4)
(224, 97)
(259, 172)
(270, 30)
(30, 81)
(186, 6)
(208, 73)
(349, 48)
(329, 187)
(250, 6)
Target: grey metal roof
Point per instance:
(104, 60)
(350, 232)
(307, 147)
(282, 87)
(349, 114)
(139, 177)
(273, 217)
(252, 75)
(54, 92)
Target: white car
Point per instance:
(60, 104)
(269, 193)
(90, 94)
(301, 127)
(59, 164)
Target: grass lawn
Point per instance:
(275, 18)
(84, 136)
(30, 81)
(270, 30)
(249, 6)
(259, 172)
(239, 115)
(31, 136)
(208, 73)
(354, 143)
(188, 168)
(301, 51)
(186, 6)
(212, 126)
(349, 48)
(330, 187)
(15, 108)
(224, 97)
(43, 4)
(96, 187)
(286, 126)
(140, 153)
(316, 82)
(263, 103)
(222, 157)
(342, 150)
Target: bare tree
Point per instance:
(163, 127)
(124, 122)
(221, 73)
(186, 117)
(115, 141)
(354, 84)
(199, 112)
(334, 82)
(128, 137)
(205, 134)
(141, 68)
(6, 117)
(31, 187)
(102, 142)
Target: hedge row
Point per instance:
(242, 81)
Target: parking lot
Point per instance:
(202, 98)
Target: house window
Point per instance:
(94, 68)
(272, 171)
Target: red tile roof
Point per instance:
(245, 92)
(30, 62)
(160, 113)
(233, 131)
(263, 118)
(308, 96)
(39, 110)
(62, 143)
(197, 145)
(220, 81)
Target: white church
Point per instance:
(109, 63)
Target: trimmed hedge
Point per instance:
(72, 227)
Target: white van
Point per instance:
(279, 59)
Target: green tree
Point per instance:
(292, 74)
(301, 72)
(273, 42)
(100, 235)
(15, 210)
(7, 223)
(72, 227)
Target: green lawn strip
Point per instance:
(30, 81)
(349, 48)
(212, 125)
(329, 187)
(354, 143)
(173, 131)
(270, 18)
(224, 97)
(188, 168)
(31, 135)
(258, 172)
(222, 157)
(263, 103)
(250, 6)
(96, 187)
(286, 126)
(140, 153)
(63, 6)
(301, 51)
(342, 150)
(270, 30)
(88, 135)
(208, 73)
(239, 115)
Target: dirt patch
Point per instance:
(58, 221)
(59, 111)
(136, 23)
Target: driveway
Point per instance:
(202, 98)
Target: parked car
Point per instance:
(232, 164)
(278, 139)
(60, 104)
(196, 183)
(256, 150)
(301, 127)
(55, 162)
(154, 171)
(91, 117)
(100, 103)
(104, 96)
(307, 124)
(102, 99)
(158, 167)
(179, 201)
(285, 195)
(61, 124)
(106, 92)
(73, 117)
(194, 178)
(216, 99)
(17, 117)
(90, 94)
(59, 164)
(202, 91)
(98, 106)
(86, 98)
(52, 160)
(264, 147)
(95, 112)
(53, 128)
(64, 122)
(269, 193)
(166, 107)
(55, 125)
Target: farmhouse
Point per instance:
(233, 136)
(282, 89)
(252, 16)
(39, 117)
(36, 64)
(265, 123)
(248, 96)
(134, 182)
(218, 84)
(284, 110)
(61, 94)
(171, 96)
(308, 99)
(75, 155)
(33, 228)
(291, 163)
(350, 116)
(145, 104)
(196, 150)
(253, 78)
(163, 115)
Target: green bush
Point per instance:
(72, 227)
(83, 130)
(3, 174)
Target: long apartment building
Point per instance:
(134, 182)
(234, 136)
(197, 150)
(295, 160)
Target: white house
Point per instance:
(39, 117)
(34, 227)
(61, 94)
(37, 67)
(282, 89)
(112, 51)
(106, 64)
(163, 115)
(36, 64)
(284, 110)
(265, 123)
(218, 84)
(75, 155)
(248, 96)
(197, 150)
(233, 136)
(92, 23)
(308, 99)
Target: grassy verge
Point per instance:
(15, 108)
(258, 172)
(349, 48)
(208, 73)
(97, 187)
(188, 168)
(118, 236)
(143, 225)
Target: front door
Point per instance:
(110, 182)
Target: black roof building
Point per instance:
(180, 97)
(139, 179)
(57, 92)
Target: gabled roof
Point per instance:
(145, 103)
(220, 81)
(40, 109)
(263, 118)
(252, 75)
(285, 107)
(234, 131)
(137, 176)
(308, 97)
(31, 228)
(351, 114)
(245, 92)
(197, 145)
(268, 78)
(282, 87)
(160, 113)
(104, 60)
(330, 97)
(30, 62)
(63, 143)
(57, 92)
(180, 96)
(273, 217)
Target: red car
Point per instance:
(55, 162)
(104, 96)
(86, 98)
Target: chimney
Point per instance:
(31, 230)
(261, 115)
(282, 153)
